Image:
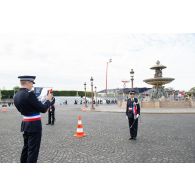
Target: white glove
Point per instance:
(137, 116)
(126, 117)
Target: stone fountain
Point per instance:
(158, 81)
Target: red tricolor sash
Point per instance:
(32, 118)
(134, 108)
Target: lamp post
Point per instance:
(96, 96)
(85, 84)
(132, 77)
(92, 95)
(110, 60)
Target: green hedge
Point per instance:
(71, 93)
(8, 94)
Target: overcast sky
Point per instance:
(66, 61)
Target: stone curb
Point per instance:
(169, 112)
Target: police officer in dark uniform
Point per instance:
(28, 105)
(133, 113)
(51, 111)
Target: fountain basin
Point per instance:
(159, 81)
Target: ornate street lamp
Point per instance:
(132, 77)
(96, 96)
(110, 60)
(92, 95)
(85, 84)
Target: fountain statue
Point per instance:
(158, 81)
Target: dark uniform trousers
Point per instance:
(51, 116)
(31, 147)
(133, 127)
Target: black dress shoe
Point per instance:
(134, 138)
(130, 138)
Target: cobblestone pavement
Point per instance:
(167, 138)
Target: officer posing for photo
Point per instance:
(133, 113)
(28, 105)
(51, 111)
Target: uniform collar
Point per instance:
(23, 88)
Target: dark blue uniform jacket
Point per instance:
(130, 105)
(30, 107)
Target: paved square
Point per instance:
(161, 138)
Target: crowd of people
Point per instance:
(82, 101)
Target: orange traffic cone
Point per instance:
(79, 132)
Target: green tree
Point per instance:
(0, 95)
(191, 93)
(192, 89)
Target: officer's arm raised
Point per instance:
(37, 104)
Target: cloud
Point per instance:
(66, 61)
